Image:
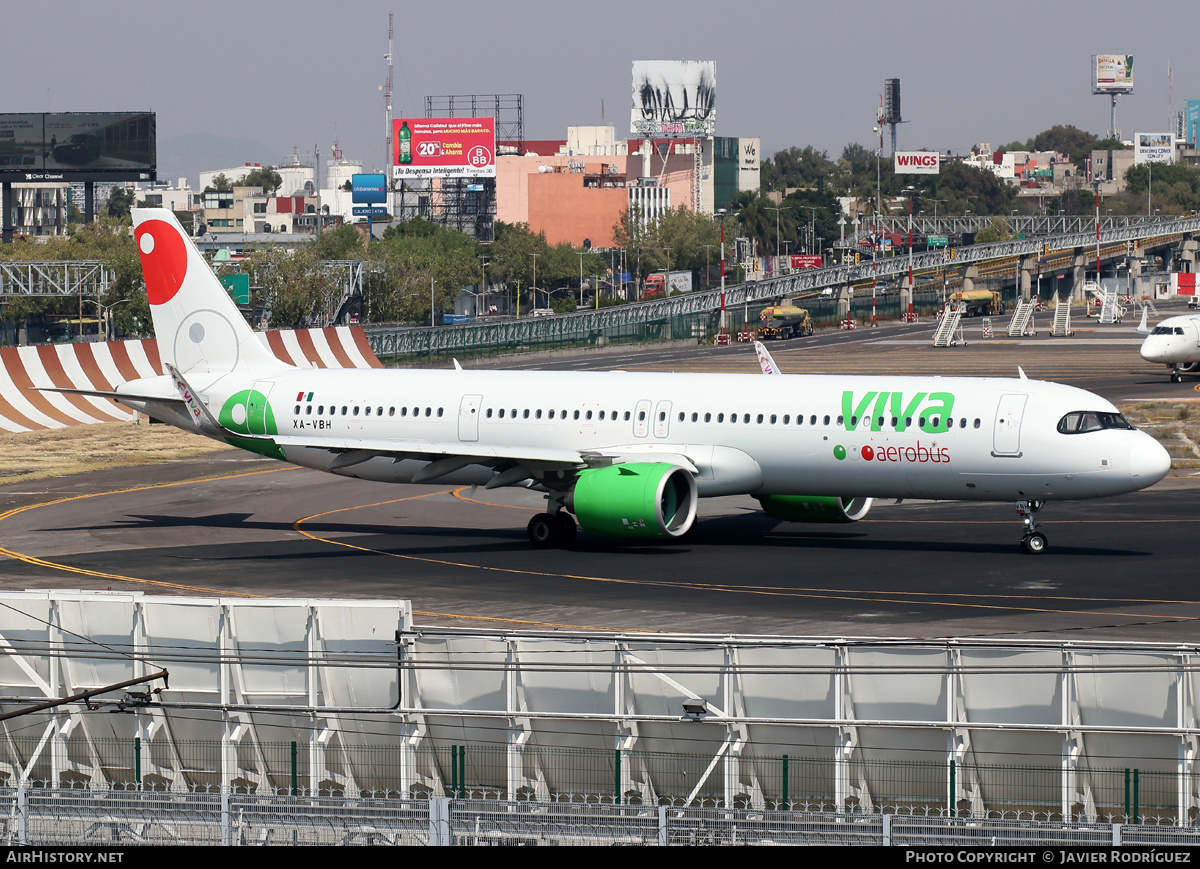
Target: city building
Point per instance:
(575, 189)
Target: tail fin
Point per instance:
(197, 325)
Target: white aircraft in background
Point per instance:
(629, 454)
(1175, 342)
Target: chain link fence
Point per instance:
(120, 819)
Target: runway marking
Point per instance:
(427, 560)
(82, 571)
(926, 598)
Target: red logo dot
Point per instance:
(164, 259)
(868, 453)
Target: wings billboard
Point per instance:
(443, 148)
(78, 146)
(674, 99)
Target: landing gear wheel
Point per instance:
(543, 531)
(567, 529)
(1176, 377)
(1034, 544)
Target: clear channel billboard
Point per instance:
(78, 146)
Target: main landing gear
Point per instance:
(1034, 541)
(551, 530)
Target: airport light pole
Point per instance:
(535, 256)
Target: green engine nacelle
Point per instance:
(640, 500)
(814, 508)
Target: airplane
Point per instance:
(1174, 342)
(627, 455)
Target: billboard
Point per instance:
(674, 99)
(443, 148)
(917, 163)
(368, 189)
(1112, 73)
(1153, 148)
(807, 261)
(1191, 122)
(78, 146)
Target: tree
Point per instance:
(120, 200)
(220, 184)
(262, 176)
(1076, 143)
(797, 167)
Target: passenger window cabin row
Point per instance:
(696, 417)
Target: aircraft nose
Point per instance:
(1148, 461)
(1154, 350)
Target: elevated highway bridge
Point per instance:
(691, 314)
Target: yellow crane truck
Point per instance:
(980, 303)
(784, 321)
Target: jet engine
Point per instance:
(639, 500)
(814, 508)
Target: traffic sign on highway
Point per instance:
(938, 241)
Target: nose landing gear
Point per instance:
(1034, 541)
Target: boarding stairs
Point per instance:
(950, 331)
(1061, 327)
(1021, 323)
(1111, 310)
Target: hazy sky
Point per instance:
(305, 73)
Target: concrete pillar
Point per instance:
(1135, 279)
(970, 276)
(1079, 276)
(1187, 254)
(1025, 285)
(906, 295)
(843, 302)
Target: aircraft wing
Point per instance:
(484, 453)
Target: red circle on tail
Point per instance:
(164, 259)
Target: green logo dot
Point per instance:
(839, 452)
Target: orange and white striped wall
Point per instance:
(103, 366)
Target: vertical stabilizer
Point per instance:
(198, 327)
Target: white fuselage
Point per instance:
(1174, 341)
(744, 434)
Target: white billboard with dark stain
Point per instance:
(674, 99)
(917, 163)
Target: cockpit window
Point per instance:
(1080, 421)
(1167, 330)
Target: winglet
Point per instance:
(1021, 371)
(1144, 327)
(764, 359)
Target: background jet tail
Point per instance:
(198, 327)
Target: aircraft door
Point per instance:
(641, 418)
(468, 418)
(1006, 437)
(257, 408)
(662, 419)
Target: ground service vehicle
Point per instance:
(980, 303)
(784, 321)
